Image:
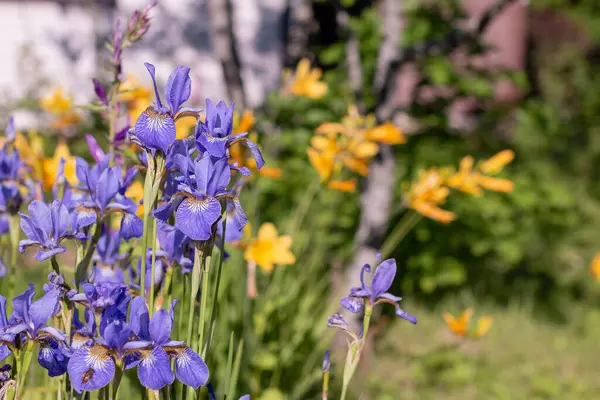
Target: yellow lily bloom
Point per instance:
(31, 152)
(268, 248)
(60, 104)
(50, 166)
(306, 82)
(136, 97)
(497, 162)
(460, 325)
(239, 153)
(427, 193)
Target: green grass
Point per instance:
(522, 357)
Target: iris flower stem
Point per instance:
(152, 268)
(213, 311)
(408, 221)
(25, 368)
(203, 304)
(150, 175)
(15, 230)
(84, 264)
(303, 206)
(55, 266)
(354, 352)
(196, 271)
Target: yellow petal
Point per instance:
(343, 186)
(356, 165)
(323, 143)
(330, 128)
(267, 231)
(270, 172)
(456, 326)
(281, 251)
(317, 90)
(496, 184)
(466, 164)
(435, 213)
(323, 164)
(365, 149)
(245, 124)
(483, 326)
(387, 133)
(497, 162)
(595, 267)
(303, 68)
(135, 191)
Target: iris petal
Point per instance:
(155, 130)
(91, 368)
(196, 217)
(191, 369)
(154, 369)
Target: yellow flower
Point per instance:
(460, 325)
(497, 162)
(50, 166)
(60, 104)
(343, 186)
(183, 126)
(469, 181)
(306, 82)
(595, 267)
(483, 326)
(31, 152)
(427, 193)
(350, 144)
(135, 192)
(268, 248)
(239, 153)
(136, 97)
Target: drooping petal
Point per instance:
(164, 211)
(84, 217)
(51, 358)
(91, 368)
(154, 369)
(352, 304)
(55, 333)
(190, 368)
(404, 315)
(44, 308)
(238, 216)
(256, 153)
(3, 319)
(45, 254)
(178, 88)
(131, 226)
(161, 326)
(195, 218)
(155, 130)
(383, 277)
(82, 170)
(390, 297)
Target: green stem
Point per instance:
(55, 266)
(25, 367)
(153, 268)
(355, 351)
(203, 303)
(303, 207)
(116, 382)
(147, 210)
(213, 311)
(83, 265)
(408, 221)
(196, 271)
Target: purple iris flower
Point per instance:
(156, 347)
(155, 127)
(5, 373)
(104, 189)
(175, 245)
(160, 267)
(109, 300)
(93, 367)
(377, 292)
(6, 338)
(47, 227)
(214, 135)
(197, 204)
(107, 258)
(83, 332)
(53, 356)
(29, 318)
(11, 165)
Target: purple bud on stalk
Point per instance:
(326, 361)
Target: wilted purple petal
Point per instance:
(404, 315)
(352, 304)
